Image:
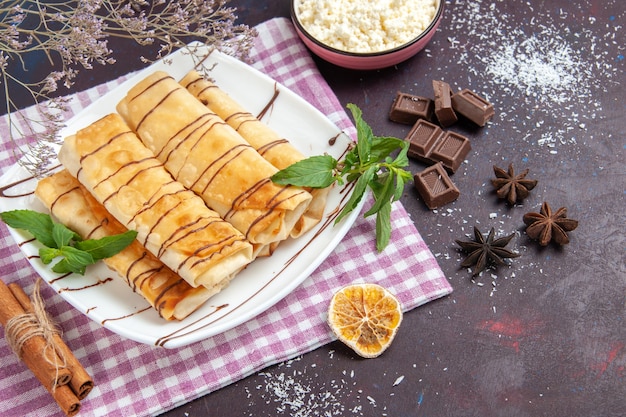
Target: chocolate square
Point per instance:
(443, 103)
(435, 187)
(472, 106)
(451, 150)
(422, 138)
(407, 108)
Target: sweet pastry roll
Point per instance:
(71, 203)
(172, 222)
(209, 157)
(277, 150)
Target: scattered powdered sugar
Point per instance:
(541, 66)
(553, 71)
(304, 392)
(309, 391)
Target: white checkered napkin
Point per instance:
(135, 379)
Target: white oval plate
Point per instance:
(106, 299)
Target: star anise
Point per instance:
(510, 186)
(482, 252)
(547, 226)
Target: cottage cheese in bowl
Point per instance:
(365, 27)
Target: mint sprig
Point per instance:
(370, 164)
(61, 242)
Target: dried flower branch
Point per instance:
(72, 36)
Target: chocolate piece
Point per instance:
(472, 106)
(422, 138)
(443, 104)
(429, 143)
(435, 187)
(407, 108)
(451, 150)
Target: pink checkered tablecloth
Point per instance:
(136, 379)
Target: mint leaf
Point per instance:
(351, 166)
(384, 146)
(47, 255)
(37, 224)
(62, 235)
(402, 160)
(370, 164)
(401, 179)
(383, 214)
(357, 194)
(107, 246)
(383, 193)
(364, 134)
(74, 260)
(316, 172)
(61, 242)
(383, 227)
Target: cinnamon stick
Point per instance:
(67, 400)
(34, 353)
(81, 382)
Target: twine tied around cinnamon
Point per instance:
(36, 341)
(22, 327)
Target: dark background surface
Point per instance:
(544, 336)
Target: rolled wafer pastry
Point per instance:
(276, 149)
(172, 222)
(208, 156)
(70, 202)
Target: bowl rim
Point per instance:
(431, 25)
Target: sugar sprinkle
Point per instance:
(398, 380)
(304, 392)
(540, 64)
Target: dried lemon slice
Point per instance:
(365, 317)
